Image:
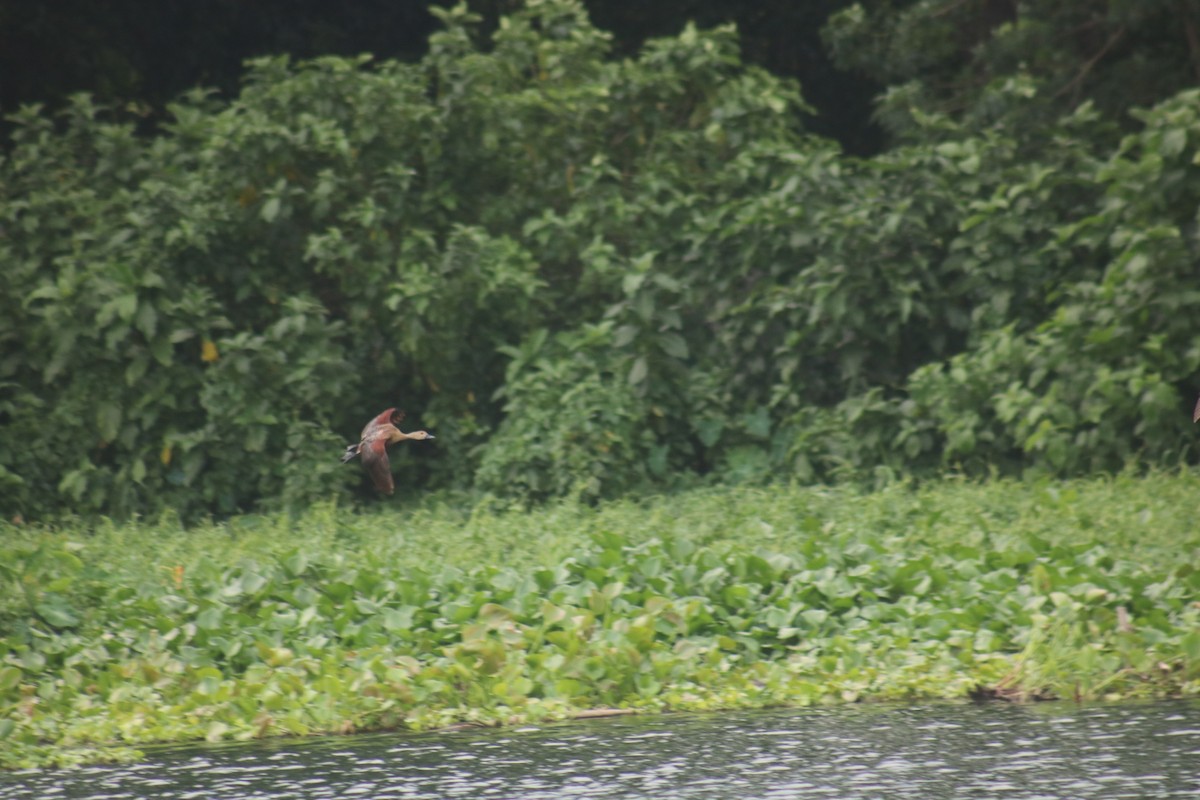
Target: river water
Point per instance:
(867, 751)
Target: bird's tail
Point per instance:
(350, 454)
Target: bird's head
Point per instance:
(421, 435)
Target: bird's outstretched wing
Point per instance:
(391, 416)
(375, 459)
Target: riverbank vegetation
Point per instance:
(119, 635)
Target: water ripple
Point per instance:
(934, 751)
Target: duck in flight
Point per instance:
(372, 446)
(1196, 412)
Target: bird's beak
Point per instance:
(431, 436)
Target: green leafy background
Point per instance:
(592, 275)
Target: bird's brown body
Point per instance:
(372, 446)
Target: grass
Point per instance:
(117, 635)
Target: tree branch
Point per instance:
(1193, 37)
(1077, 81)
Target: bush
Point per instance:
(585, 275)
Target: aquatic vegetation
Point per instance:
(119, 635)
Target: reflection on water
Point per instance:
(932, 751)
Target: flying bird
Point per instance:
(372, 446)
(1196, 412)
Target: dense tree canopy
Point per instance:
(591, 273)
(993, 62)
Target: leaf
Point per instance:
(758, 422)
(125, 306)
(709, 430)
(74, 483)
(147, 320)
(296, 564)
(814, 616)
(624, 335)
(136, 369)
(398, 619)
(270, 209)
(1173, 142)
(209, 618)
(637, 373)
(494, 615)
(9, 677)
(161, 349)
(673, 345)
(1191, 647)
(552, 614)
(108, 421)
(57, 613)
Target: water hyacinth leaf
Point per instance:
(815, 617)
(651, 566)
(366, 606)
(656, 604)
(216, 731)
(736, 595)
(611, 591)
(253, 582)
(647, 685)
(210, 618)
(552, 614)
(461, 612)
(494, 615)
(295, 564)
(396, 619)
(1191, 647)
(546, 579)
(56, 612)
(10, 676)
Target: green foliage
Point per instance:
(1094, 386)
(1019, 64)
(574, 426)
(589, 276)
(290, 625)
